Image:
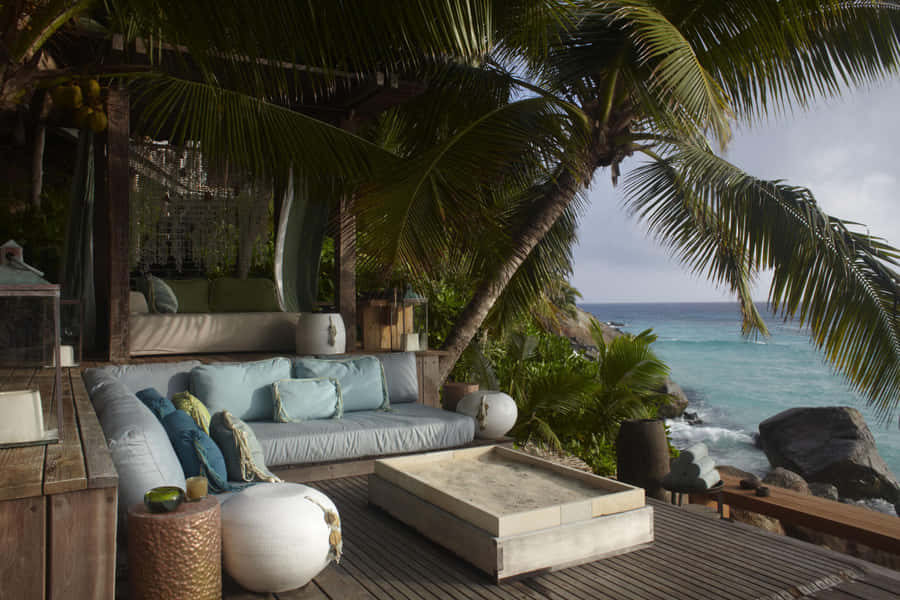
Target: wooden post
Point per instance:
(111, 224)
(345, 264)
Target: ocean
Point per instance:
(734, 383)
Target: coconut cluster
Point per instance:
(83, 101)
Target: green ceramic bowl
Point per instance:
(163, 499)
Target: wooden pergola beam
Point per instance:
(111, 223)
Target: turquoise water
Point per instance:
(735, 383)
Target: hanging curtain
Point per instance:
(78, 265)
(298, 244)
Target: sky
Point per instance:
(846, 150)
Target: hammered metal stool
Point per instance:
(176, 555)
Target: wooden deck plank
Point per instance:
(728, 550)
(405, 541)
(21, 469)
(336, 584)
(412, 569)
(100, 470)
(693, 558)
(64, 469)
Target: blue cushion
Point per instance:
(158, 404)
(305, 399)
(196, 451)
(244, 390)
(362, 380)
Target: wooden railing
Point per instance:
(856, 523)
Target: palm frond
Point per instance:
(676, 73)
(251, 133)
(839, 283)
(772, 54)
(439, 199)
(694, 234)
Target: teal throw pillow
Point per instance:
(196, 451)
(158, 404)
(160, 297)
(244, 457)
(361, 379)
(305, 399)
(243, 389)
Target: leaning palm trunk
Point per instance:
(544, 215)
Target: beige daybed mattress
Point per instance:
(199, 333)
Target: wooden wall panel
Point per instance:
(22, 532)
(82, 525)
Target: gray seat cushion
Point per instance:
(407, 427)
(168, 378)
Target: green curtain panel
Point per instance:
(298, 243)
(78, 262)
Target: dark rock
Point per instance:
(763, 491)
(824, 490)
(756, 443)
(692, 418)
(788, 480)
(829, 445)
(750, 483)
(677, 400)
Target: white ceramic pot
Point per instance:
(320, 333)
(494, 412)
(278, 536)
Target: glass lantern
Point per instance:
(411, 311)
(29, 339)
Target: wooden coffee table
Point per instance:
(509, 513)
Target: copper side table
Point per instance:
(176, 555)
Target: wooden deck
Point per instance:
(694, 557)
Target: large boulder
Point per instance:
(829, 445)
(788, 480)
(676, 403)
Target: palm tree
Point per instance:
(666, 79)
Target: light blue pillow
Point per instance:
(361, 379)
(160, 297)
(196, 451)
(305, 399)
(243, 389)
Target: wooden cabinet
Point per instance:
(58, 502)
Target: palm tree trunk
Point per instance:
(545, 214)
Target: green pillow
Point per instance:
(243, 295)
(191, 405)
(244, 458)
(243, 389)
(363, 386)
(192, 294)
(305, 399)
(160, 297)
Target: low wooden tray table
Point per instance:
(509, 513)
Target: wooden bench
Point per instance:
(856, 523)
(58, 502)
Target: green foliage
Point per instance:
(565, 400)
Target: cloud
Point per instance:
(842, 150)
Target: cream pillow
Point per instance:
(138, 303)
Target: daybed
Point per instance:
(144, 457)
(222, 315)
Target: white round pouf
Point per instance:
(494, 412)
(278, 536)
(320, 333)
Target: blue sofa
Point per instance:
(144, 458)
